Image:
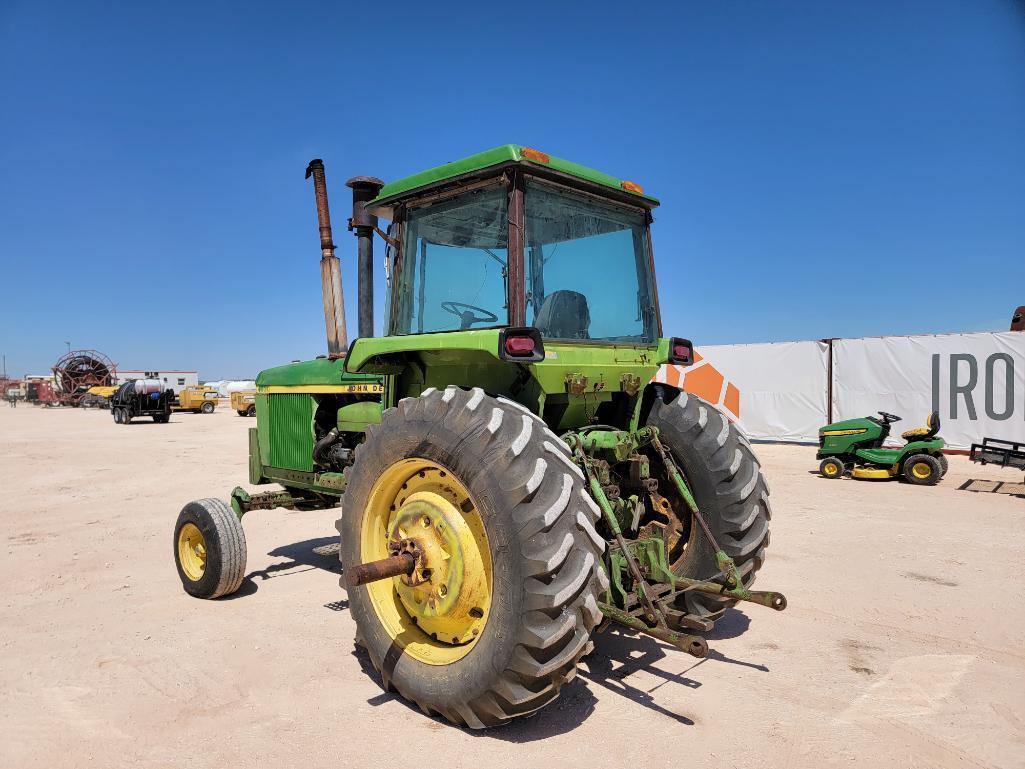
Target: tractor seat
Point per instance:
(932, 426)
(564, 315)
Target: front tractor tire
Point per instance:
(728, 487)
(209, 549)
(832, 468)
(496, 617)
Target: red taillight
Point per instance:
(519, 346)
(681, 352)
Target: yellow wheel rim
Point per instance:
(192, 552)
(921, 470)
(437, 614)
(832, 469)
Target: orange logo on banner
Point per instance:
(705, 381)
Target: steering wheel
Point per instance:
(889, 417)
(467, 317)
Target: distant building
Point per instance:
(174, 380)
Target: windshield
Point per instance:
(454, 271)
(587, 268)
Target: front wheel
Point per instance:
(502, 601)
(209, 549)
(251, 411)
(831, 467)
(207, 408)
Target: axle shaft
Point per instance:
(396, 566)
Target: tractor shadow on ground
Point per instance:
(301, 557)
(732, 624)
(617, 656)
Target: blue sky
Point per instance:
(825, 168)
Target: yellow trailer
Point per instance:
(97, 397)
(199, 400)
(244, 402)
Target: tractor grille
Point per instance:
(291, 430)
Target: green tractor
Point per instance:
(855, 446)
(509, 477)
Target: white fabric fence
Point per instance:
(975, 381)
(779, 391)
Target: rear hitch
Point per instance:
(692, 644)
(655, 614)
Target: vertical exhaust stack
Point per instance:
(363, 224)
(330, 269)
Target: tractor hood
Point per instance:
(850, 427)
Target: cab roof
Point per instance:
(506, 154)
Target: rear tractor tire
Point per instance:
(832, 468)
(944, 463)
(240, 412)
(727, 483)
(209, 549)
(499, 611)
(922, 470)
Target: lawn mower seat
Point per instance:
(564, 315)
(927, 433)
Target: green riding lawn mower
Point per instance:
(855, 447)
(507, 477)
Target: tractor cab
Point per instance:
(516, 256)
(515, 237)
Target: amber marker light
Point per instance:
(535, 155)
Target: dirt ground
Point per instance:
(902, 644)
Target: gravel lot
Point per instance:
(902, 644)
